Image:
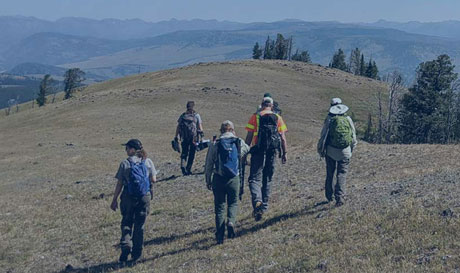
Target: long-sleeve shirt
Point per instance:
(212, 156)
(335, 153)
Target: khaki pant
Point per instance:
(342, 169)
(134, 211)
(226, 191)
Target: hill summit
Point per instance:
(58, 164)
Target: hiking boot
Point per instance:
(123, 257)
(184, 172)
(258, 211)
(188, 171)
(135, 259)
(220, 238)
(338, 203)
(231, 230)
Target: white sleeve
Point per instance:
(354, 141)
(151, 167)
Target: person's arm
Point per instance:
(176, 136)
(354, 141)
(200, 124)
(153, 180)
(209, 165)
(244, 148)
(249, 137)
(283, 148)
(321, 147)
(117, 192)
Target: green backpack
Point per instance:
(340, 132)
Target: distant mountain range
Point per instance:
(113, 48)
(449, 29)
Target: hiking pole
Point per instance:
(243, 168)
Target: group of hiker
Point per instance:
(225, 167)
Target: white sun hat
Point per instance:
(336, 101)
(338, 109)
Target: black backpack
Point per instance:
(268, 138)
(187, 125)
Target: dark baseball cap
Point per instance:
(267, 95)
(134, 143)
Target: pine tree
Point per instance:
(267, 49)
(256, 52)
(375, 71)
(362, 66)
(354, 64)
(72, 79)
(338, 60)
(369, 69)
(281, 48)
(426, 107)
(45, 84)
(369, 134)
(303, 56)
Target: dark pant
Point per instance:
(226, 190)
(260, 177)
(342, 170)
(134, 211)
(188, 154)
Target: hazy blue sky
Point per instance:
(239, 10)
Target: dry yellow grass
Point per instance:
(57, 164)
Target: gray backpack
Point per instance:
(187, 125)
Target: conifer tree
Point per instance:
(338, 60)
(268, 49)
(72, 79)
(45, 84)
(354, 65)
(256, 52)
(303, 56)
(426, 107)
(362, 66)
(281, 48)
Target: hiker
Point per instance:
(222, 170)
(275, 109)
(266, 132)
(135, 176)
(336, 144)
(189, 129)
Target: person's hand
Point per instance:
(209, 185)
(284, 158)
(114, 205)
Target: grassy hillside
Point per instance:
(58, 164)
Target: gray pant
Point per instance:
(134, 211)
(342, 170)
(260, 177)
(226, 192)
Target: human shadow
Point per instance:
(202, 244)
(283, 217)
(174, 177)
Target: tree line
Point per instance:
(426, 112)
(356, 65)
(73, 79)
(279, 49)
